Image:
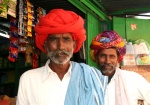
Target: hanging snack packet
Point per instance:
(13, 54)
(3, 8)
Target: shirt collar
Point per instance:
(48, 70)
(116, 74)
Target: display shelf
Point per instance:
(10, 73)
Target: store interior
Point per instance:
(12, 65)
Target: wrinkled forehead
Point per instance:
(60, 35)
(111, 50)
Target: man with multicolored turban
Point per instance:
(124, 87)
(59, 34)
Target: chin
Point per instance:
(107, 72)
(64, 61)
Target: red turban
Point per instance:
(60, 21)
(107, 39)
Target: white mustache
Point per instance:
(59, 52)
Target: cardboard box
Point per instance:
(129, 59)
(142, 59)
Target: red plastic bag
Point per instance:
(4, 102)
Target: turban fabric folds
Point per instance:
(107, 39)
(59, 21)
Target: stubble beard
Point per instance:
(105, 70)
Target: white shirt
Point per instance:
(136, 87)
(42, 86)
(110, 93)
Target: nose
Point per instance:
(107, 60)
(61, 44)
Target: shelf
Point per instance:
(143, 70)
(139, 67)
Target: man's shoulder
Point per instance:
(86, 67)
(129, 73)
(33, 72)
(79, 64)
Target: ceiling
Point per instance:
(110, 7)
(125, 7)
(53, 4)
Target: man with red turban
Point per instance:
(59, 34)
(124, 87)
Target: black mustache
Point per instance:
(107, 64)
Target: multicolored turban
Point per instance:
(107, 39)
(60, 21)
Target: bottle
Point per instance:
(125, 41)
(129, 57)
(129, 48)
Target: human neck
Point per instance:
(59, 69)
(110, 76)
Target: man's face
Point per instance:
(107, 60)
(60, 47)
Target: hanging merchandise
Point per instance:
(20, 19)
(28, 16)
(22, 34)
(12, 8)
(3, 8)
(13, 49)
(29, 51)
(39, 12)
(25, 29)
(35, 57)
(8, 7)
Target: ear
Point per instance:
(96, 59)
(118, 56)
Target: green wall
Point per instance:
(94, 27)
(141, 31)
(119, 26)
(125, 27)
(94, 20)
